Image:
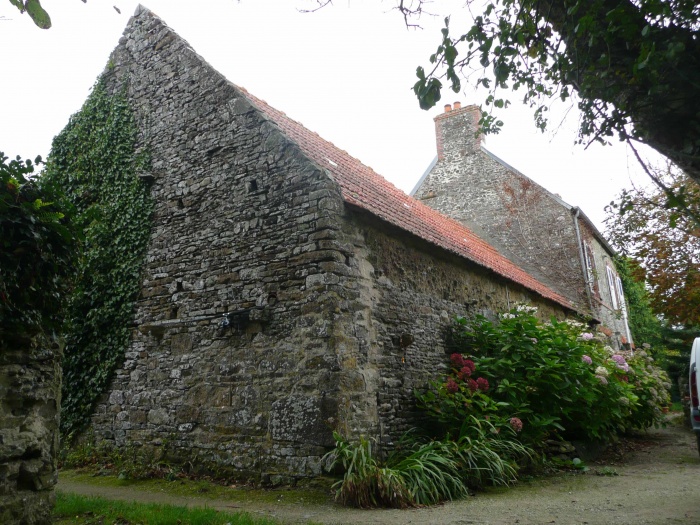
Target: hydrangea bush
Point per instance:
(539, 379)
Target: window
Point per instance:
(620, 293)
(612, 284)
(590, 268)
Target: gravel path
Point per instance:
(657, 483)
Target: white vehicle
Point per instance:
(693, 386)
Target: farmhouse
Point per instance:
(552, 240)
(288, 290)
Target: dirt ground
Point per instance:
(656, 481)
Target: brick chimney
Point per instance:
(455, 131)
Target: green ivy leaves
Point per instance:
(94, 160)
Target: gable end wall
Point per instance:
(511, 212)
(243, 224)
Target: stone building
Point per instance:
(552, 240)
(288, 290)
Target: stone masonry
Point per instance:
(30, 390)
(284, 294)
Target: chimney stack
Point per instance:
(455, 130)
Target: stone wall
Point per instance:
(30, 390)
(271, 312)
(416, 291)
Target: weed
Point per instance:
(127, 462)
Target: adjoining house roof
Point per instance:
(362, 187)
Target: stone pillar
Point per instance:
(30, 389)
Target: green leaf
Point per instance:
(450, 54)
(36, 12)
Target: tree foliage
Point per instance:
(36, 258)
(645, 325)
(634, 66)
(37, 13)
(645, 226)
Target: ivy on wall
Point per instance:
(95, 161)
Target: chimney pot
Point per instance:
(448, 108)
(457, 104)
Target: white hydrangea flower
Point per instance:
(525, 308)
(601, 371)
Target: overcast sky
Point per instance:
(344, 72)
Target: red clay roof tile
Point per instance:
(362, 187)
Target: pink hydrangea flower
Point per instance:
(482, 384)
(470, 364)
(587, 360)
(603, 380)
(465, 372)
(516, 424)
(451, 386)
(457, 360)
(620, 362)
(586, 336)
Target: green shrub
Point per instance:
(518, 380)
(37, 246)
(652, 387)
(553, 378)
